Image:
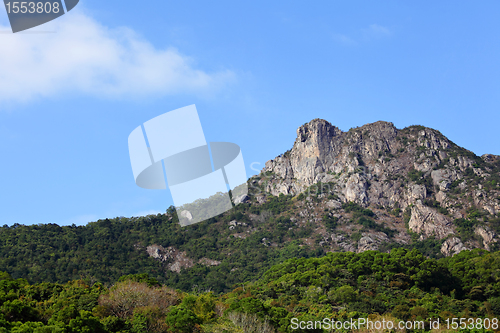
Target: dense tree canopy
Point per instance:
(400, 285)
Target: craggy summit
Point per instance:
(440, 189)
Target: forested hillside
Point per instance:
(398, 286)
(373, 223)
(372, 188)
(107, 249)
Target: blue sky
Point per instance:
(255, 70)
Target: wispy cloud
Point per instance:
(375, 30)
(372, 32)
(86, 57)
(344, 39)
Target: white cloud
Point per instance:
(84, 56)
(376, 30)
(344, 39)
(373, 32)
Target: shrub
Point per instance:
(401, 311)
(370, 224)
(465, 228)
(357, 209)
(330, 221)
(181, 320)
(250, 323)
(343, 295)
(128, 295)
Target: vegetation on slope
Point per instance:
(400, 285)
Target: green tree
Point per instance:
(181, 320)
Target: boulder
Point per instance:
(452, 246)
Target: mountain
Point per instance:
(415, 180)
(372, 188)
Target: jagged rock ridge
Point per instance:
(415, 170)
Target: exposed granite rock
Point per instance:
(415, 170)
(452, 246)
(181, 261)
(371, 241)
(209, 262)
(342, 242)
(333, 204)
(158, 252)
(355, 189)
(428, 222)
(174, 259)
(487, 235)
(233, 224)
(186, 214)
(241, 199)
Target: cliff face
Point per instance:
(416, 172)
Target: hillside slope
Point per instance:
(371, 188)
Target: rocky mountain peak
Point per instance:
(317, 130)
(415, 170)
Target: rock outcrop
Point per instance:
(174, 259)
(452, 246)
(487, 235)
(428, 222)
(417, 172)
